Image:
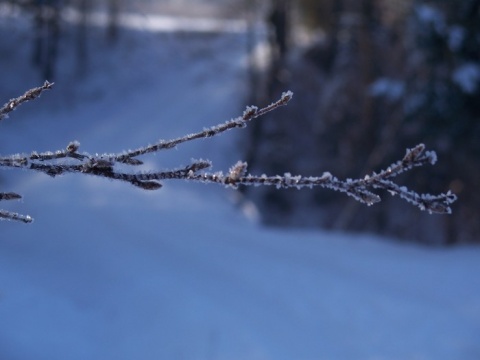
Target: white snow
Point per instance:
(456, 36)
(108, 271)
(430, 15)
(391, 89)
(467, 77)
(159, 23)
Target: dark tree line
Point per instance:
(47, 27)
(377, 76)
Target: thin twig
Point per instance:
(249, 114)
(31, 94)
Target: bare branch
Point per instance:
(29, 95)
(6, 215)
(249, 114)
(439, 204)
(69, 160)
(9, 196)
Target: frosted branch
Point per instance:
(358, 189)
(70, 160)
(249, 114)
(31, 94)
(7, 215)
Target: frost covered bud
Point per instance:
(286, 96)
(73, 146)
(238, 170)
(414, 154)
(148, 185)
(9, 196)
(249, 112)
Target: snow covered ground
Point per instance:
(108, 271)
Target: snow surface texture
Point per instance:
(108, 271)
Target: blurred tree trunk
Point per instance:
(47, 34)
(278, 28)
(279, 33)
(256, 79)
(113, 20)
(84, 7)
(278, 22)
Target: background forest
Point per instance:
(371, 78)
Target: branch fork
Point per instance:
(55, 164)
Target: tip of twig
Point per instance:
(73, 146)
(286, 96)
(48, 85)
(147, 185)
(10, 196)
(6, 215)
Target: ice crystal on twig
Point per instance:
(29, 95)
(53, 163)
(7, 215)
